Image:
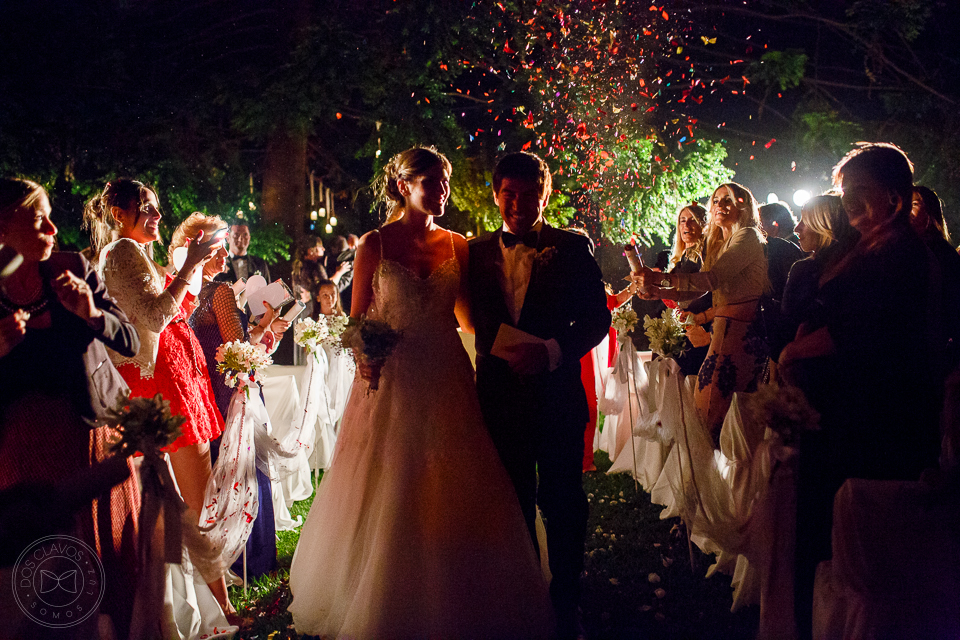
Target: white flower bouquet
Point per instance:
(240, 361)
(666, 334)
(624, 320)
(784, 409)
(310, 333)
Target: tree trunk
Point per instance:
(284, 181)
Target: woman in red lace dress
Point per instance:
(124, 221)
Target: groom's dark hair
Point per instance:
(523, 165)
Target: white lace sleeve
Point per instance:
(137, 288)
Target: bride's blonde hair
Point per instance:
(406, 165)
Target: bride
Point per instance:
(416, 530)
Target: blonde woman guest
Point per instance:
(735, 272)
(687, 254)
(54, 313)
(124, 220)
(826, 235)
(687, 257)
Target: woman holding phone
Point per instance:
(124, 221)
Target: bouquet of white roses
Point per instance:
(308, 333)
(240, 361)
(624, 320)
(665, 333)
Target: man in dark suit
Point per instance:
(239, 263)
(544, 282)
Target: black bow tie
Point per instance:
(511, 240)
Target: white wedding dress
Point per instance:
(416, 531)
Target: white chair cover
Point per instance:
(895, 571)
(650, 446)
(281, 398)
(189, 608)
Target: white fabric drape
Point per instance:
(737, 503)
(281, 397)
(232, 497)
(895, 571)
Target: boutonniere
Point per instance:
(544, 256)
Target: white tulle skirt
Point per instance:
(415, 530)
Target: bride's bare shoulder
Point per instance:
(370, 240)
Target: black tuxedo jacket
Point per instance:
(565, 301)
(255, 265)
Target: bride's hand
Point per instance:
(369, 371)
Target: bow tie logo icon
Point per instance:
(66, 581)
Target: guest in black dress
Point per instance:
(54, 313)
(826, 235)
(216, 321)
(926, 217)
(879, 386)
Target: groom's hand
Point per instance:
(528, 359)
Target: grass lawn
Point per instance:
(637, 584)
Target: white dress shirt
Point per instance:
(516, 266)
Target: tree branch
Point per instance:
(840, 28)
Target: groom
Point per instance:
(539, 306)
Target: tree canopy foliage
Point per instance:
(634, 106)
(188, 96)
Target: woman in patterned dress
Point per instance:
(735, 272)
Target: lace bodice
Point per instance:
(415, 305)
(135, 282)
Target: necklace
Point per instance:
(39, 301)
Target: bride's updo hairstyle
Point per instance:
(98, 217)
(16, 193)
(406, 165)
